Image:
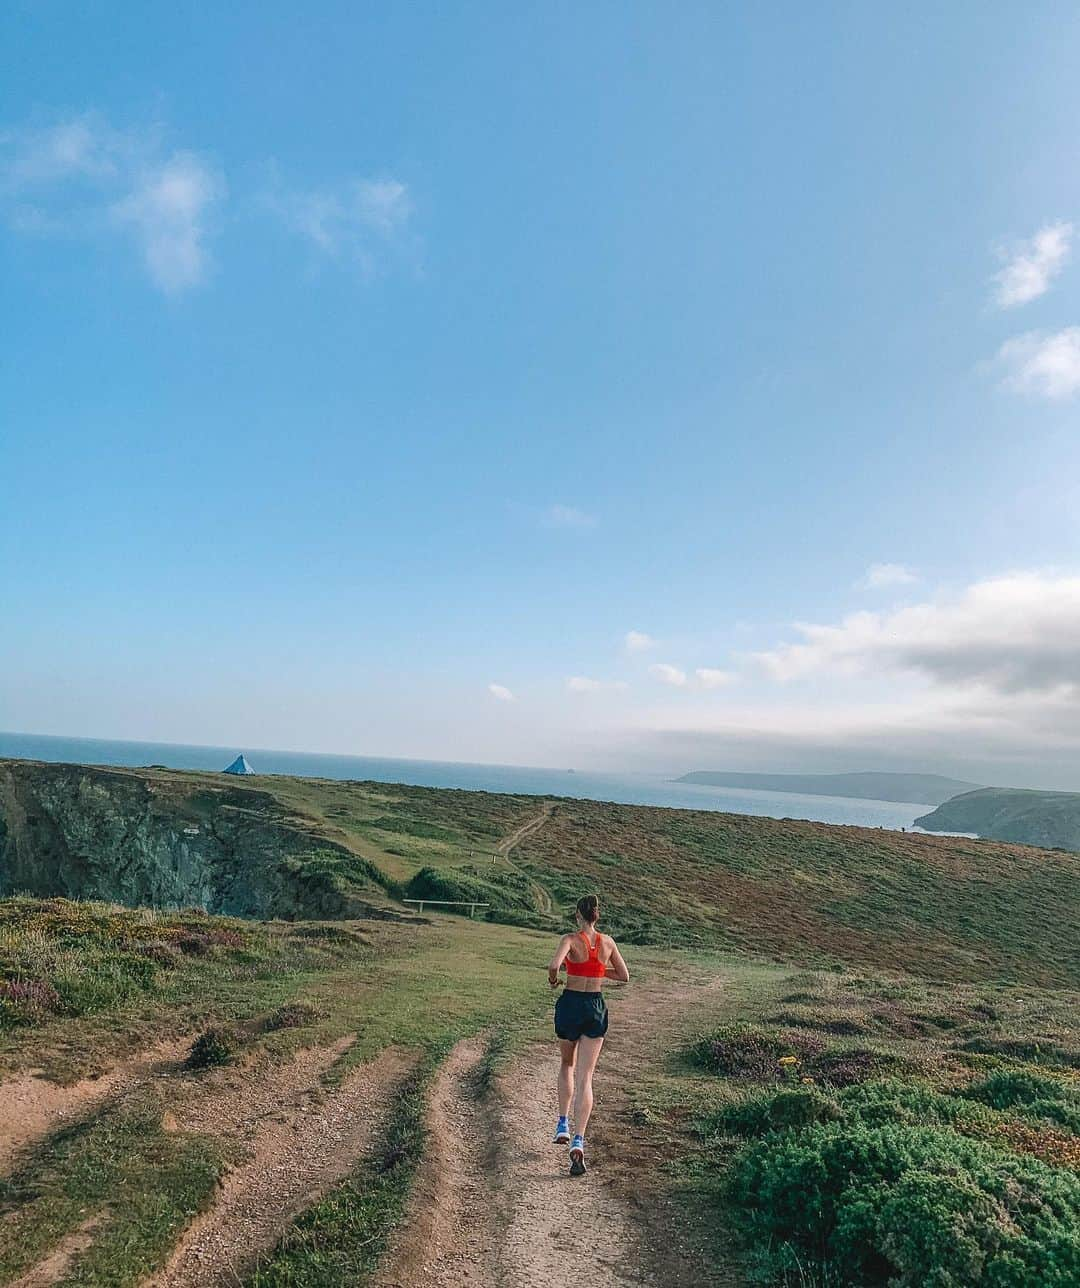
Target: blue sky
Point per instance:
(360, 360)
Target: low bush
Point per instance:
(293, 1015)
(1008, 1088)
(779, 1111)
(212, 1049)
(1065, 1113)
(1031, 1051)
(25, 1001)
(912, 1206)
(774, 1055)
(507, 894)
(846, 1067)
(745, 1051)
(1031, 1094)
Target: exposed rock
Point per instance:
(133, 837)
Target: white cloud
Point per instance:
(1033, 265)
(709, 677)
(585, 684)
(82, 178)
(82, 147)
(567, 516)
(638, 642)
(1044, 364)
(668, 674)
(167, 212)
(1011, 634)
(501, 692)
(881, 575)
(382, 204)
(358, 219)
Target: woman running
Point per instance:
(581, 1020)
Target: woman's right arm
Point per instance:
(616, 967)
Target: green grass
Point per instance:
(142, 1185)
(418, 987)
(945, 907)
(341, 1238)
(116, 978)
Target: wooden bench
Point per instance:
(471, 904)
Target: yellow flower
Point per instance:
(806, 1080)
(789, 1059)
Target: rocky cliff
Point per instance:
(171, 840)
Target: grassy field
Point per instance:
(813, 893)
(908, 1000)
(947, 907)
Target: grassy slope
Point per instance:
(809, 892)
(1012, 814)
(943, 906)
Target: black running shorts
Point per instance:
(580, 1015)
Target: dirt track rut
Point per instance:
(496, 1207)
(34, 1107)
(306, 1139)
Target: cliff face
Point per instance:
(1047, 819)
(136, 838)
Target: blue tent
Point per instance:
(239, 766)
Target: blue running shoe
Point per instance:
(562, 1132)
(577, 1156)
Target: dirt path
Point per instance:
(302, 1140)
(496, 1207)
(450, 1236)
(34, 1108)
(527, 829)
(57, 1264)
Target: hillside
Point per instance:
(288, 847)
(1050, 819)
(920, 789)
(819, 1020)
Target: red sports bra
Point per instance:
(593, 967)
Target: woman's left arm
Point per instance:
(555, 965)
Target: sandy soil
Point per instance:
(58, 1262)
(302, 1140)
(34, 1108)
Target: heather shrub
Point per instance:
(843, 1068)
(785, 1110)
(1006, 1088)
(1065, 1114)
(293, 1015)
(212, 1048)
(912, 1207)
(744, 1051)
(25, 1001)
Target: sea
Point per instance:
(624, 788)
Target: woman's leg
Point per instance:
(583, 1096)
(568, 1052)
